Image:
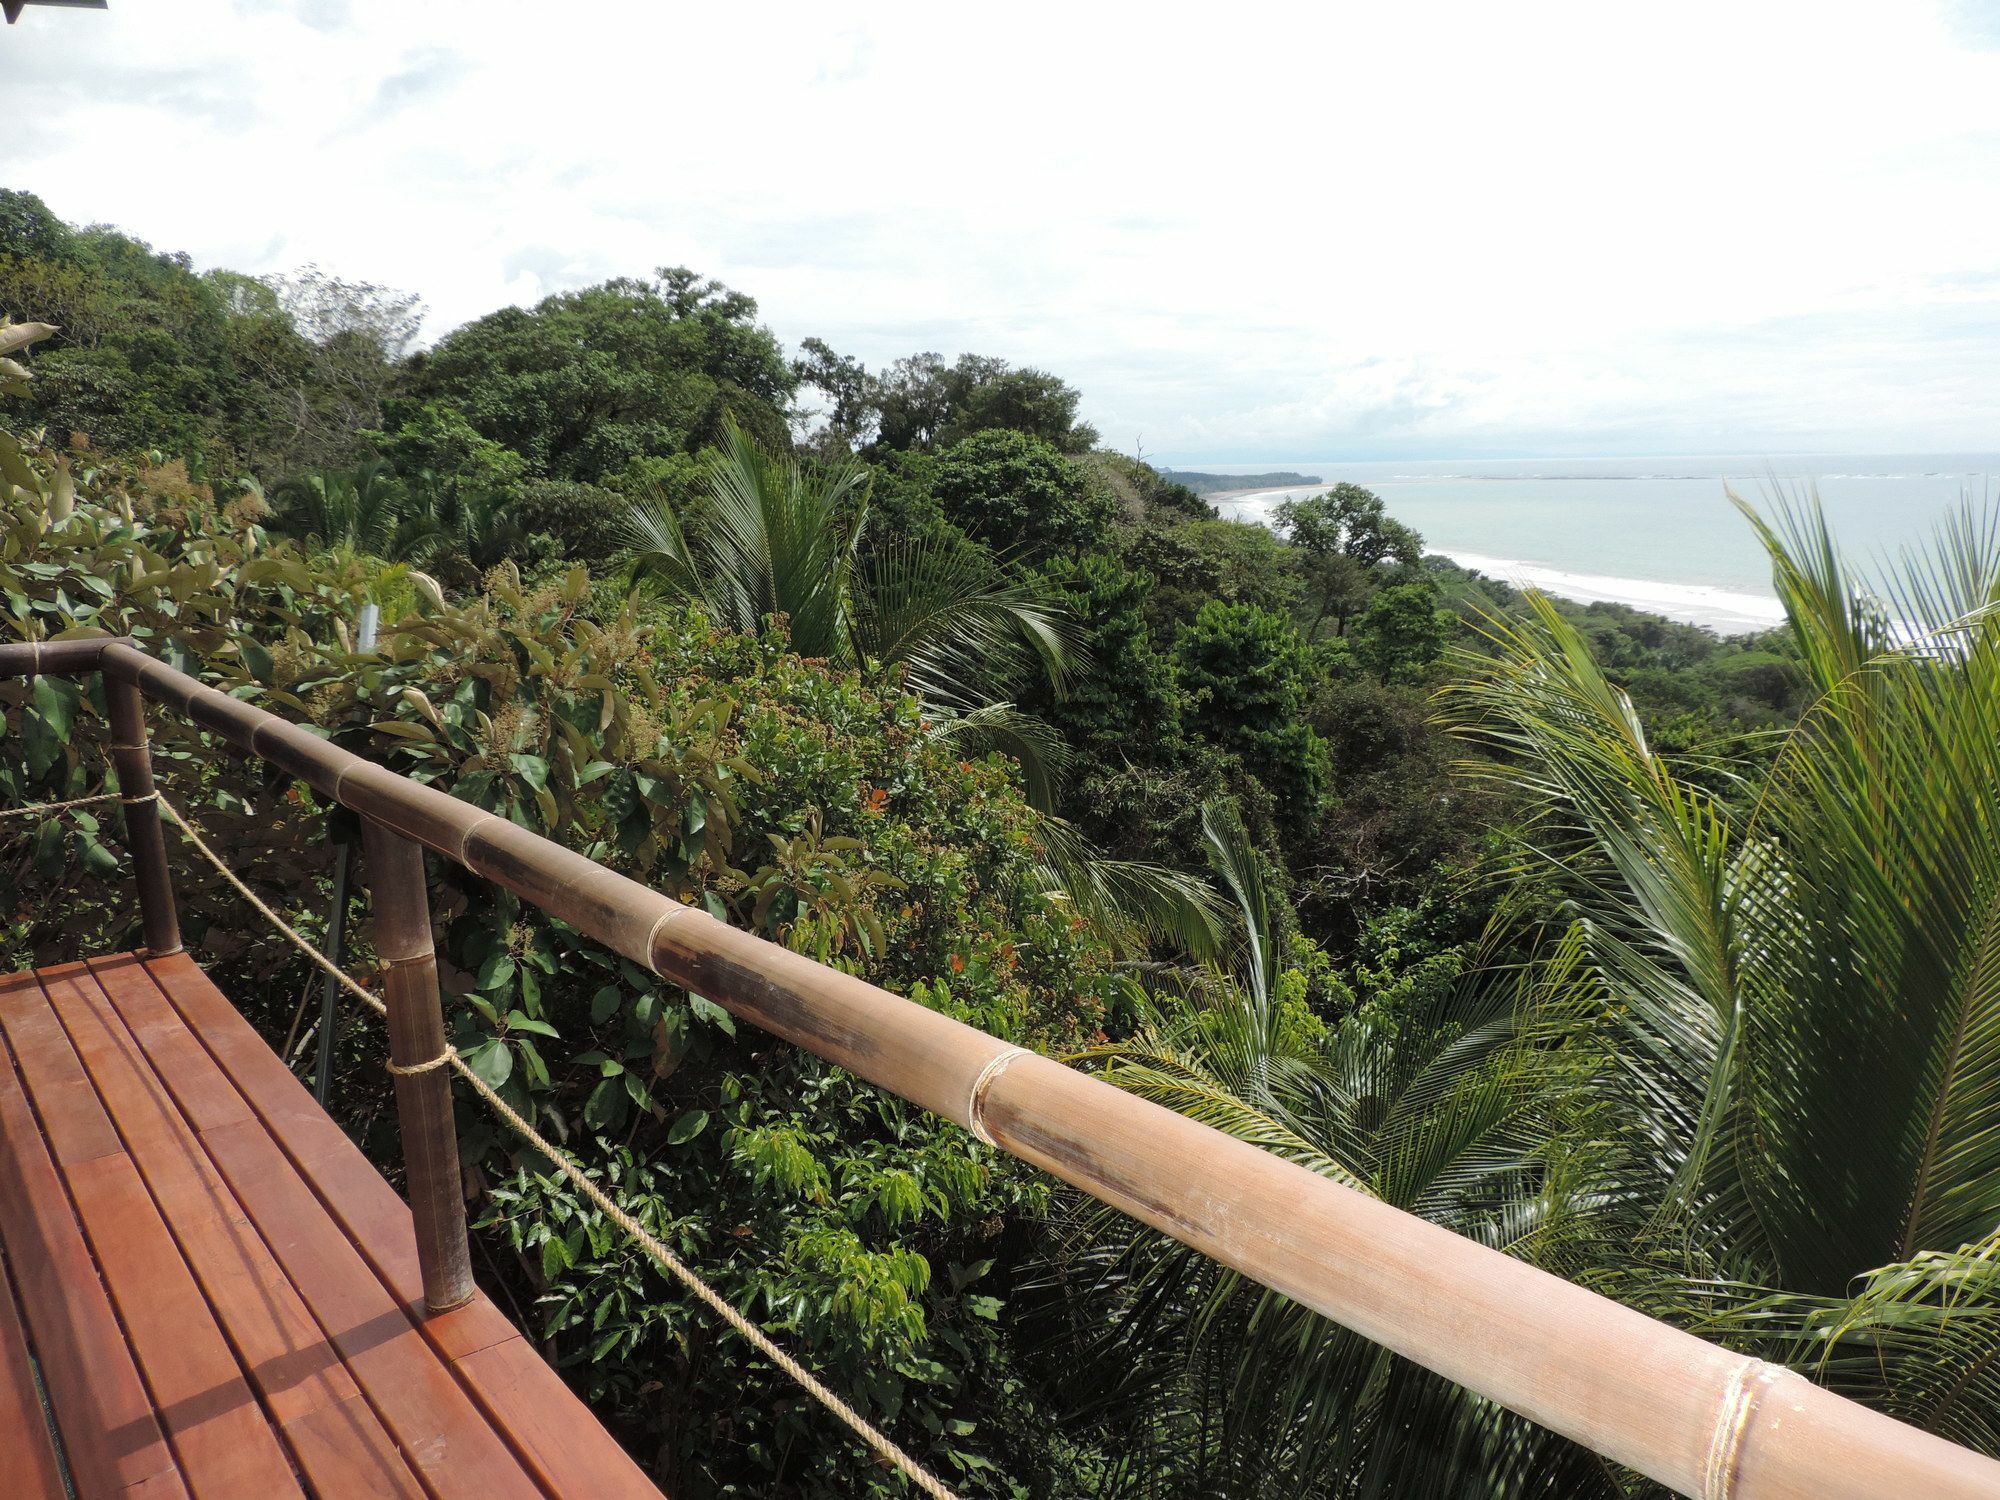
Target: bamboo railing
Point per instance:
(1696, 1417)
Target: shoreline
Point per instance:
(1724, 611)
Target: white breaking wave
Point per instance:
(1725, 611)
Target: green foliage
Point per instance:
(1018, 494)
(1351, 521)
(1145, 493)
(586, 383)
(1442, 1098)
(1348, 548)
(1683, 994)
(1247, 673)
(1231, 561)
(1401, 633)
(719, 767)
(1208, 484)
(1800, 992)
(924, 403)
(581, 519)
(779, 542)
(218, 371)
(436, 443)
(1128, 705)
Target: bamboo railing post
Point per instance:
(416, 1055)
(132, 758)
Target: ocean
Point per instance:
(1655, 533)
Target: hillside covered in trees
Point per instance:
(1513, 913)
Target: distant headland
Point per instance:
(1211, 484)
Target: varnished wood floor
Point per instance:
(214, 1293)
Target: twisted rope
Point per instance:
(55, 807)
(564, 1163)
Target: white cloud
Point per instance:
(1256, 231)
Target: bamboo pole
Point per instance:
(1691, 1415)
(66, 658)
(131, 755)
(416, 1057)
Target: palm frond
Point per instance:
(963, 631)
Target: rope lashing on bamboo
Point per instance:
(565, 1164)
(449, 1055)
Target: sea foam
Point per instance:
(1725, 611)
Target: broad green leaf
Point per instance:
(606, 1107)
(709, 1011)
(492, 1060)
(687, 1127)
(604, 1004)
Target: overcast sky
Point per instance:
(1248, 232)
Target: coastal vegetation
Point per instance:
(1658, 960)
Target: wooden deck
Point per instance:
(216, 1296)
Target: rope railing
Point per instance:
(45, 808)
(574, 1173)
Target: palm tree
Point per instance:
(1455, 1105)
(1801, 976)
(775, 542)
(371, 511)
(1751, 1086)
(365, 509)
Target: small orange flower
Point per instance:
(957, 963)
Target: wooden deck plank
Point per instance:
(25, 1445)
(439, 1430)
(231, 1289)
(73, 1122)
(434, 1426)
(529, 1403)
(344, 1450)
(218, 1431)
(554, 1432)
(338, 1443)
(375, 1218)
(277, 1341)
(110, 1433)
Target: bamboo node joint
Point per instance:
(975, 1105)
(1733, 1416)
(653, 937)
(465, 836)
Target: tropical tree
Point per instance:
(370, 511)
(366, 509)
(774, 541)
